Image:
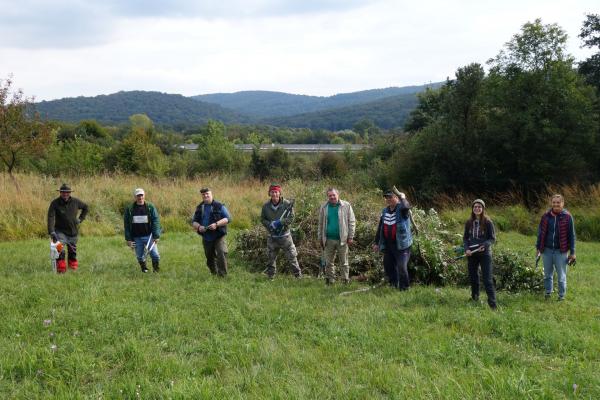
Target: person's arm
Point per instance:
(377, 235)
(320, 226)
(351, 224)
(466, 237)
(571, 237)
(223, 221)
(155, 224)
(290, 215)
(127, 225)
(491, 235)
(264, 219)
(51, 219)
(538, 242)
(84, 211)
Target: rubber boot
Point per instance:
(61, 266)
(73, 264)
(155, 266)
(143, 266)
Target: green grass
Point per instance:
(185, 334)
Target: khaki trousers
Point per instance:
(333, 247)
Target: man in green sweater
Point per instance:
(336, 230)
(276, 216)
(63, 225)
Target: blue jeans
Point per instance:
(554, 259)
(140, 242)
(395, 266)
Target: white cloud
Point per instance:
(301, 47)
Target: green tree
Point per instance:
(590, 34)
(22, 132)
(541, 113)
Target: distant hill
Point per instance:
(172, 110)
(265, 104)
(390, 112)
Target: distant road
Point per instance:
(292, 148)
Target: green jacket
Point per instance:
(62, 215)
(152, 217)
(270, 214)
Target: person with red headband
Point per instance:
(276, 216)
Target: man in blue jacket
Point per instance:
(142, 229)
(394, 238)
(210, 221)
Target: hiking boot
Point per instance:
(561, 298)
(155, 266)
(547, 296)
(143, 266)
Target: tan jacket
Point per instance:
(347, 222)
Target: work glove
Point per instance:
(54, 237)
(276, 224)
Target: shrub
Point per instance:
(432, 261)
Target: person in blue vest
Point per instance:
(556, 244)
(210, 221)
(478, 237)
(394, 238)
(142, 229)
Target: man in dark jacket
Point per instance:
(556, 238)
(210, 221)
(63, 225)
(142, 229)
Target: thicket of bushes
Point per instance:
(432, 260)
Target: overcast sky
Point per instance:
(66, 48)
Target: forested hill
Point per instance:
(390, 112)
(265, 104)
(172, 110)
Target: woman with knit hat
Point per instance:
(478, 238)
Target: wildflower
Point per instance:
(51, 334)
(574, 388)
(54, 347)
(47, 322)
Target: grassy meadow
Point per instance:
(108, 331)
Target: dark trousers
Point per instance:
(70, 244)
(395, 264)
(485, 260)
(216, 256)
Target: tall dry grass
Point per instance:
(23, 214)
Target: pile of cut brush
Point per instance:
(432, 260)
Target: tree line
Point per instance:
(529, 120)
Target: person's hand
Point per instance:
(350, 241)
(212, 226)
(201, 229)
(54, 237)
(156, 240)
(468, 253)
(571, 259)
(538, 253)
(276, 224)
(131, 243)
(481, 248)
(375, 247)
